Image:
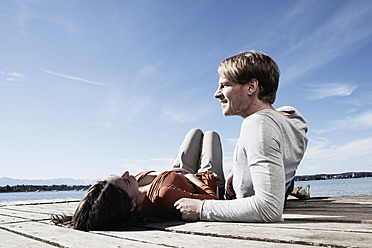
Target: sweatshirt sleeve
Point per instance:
(260, 144)
(169, 195)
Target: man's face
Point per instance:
(233, 97)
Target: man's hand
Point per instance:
(189, 208)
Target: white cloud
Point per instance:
(323, 156)
(361, 121)
(12, 76)
(322, 91)
(74, 78)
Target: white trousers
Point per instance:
(201, 152)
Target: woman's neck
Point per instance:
(141, 197)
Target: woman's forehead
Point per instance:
(112, 178)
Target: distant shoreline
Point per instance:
(345, 175)
(33, 188)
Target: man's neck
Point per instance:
(257, 106)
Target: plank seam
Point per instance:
(33, 237)
(135, 240)
(251, 238)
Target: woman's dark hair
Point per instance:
(102, 208)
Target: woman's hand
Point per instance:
(181, 171)
(229, 185)
(194, 179)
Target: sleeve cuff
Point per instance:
(201, 211)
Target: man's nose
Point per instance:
(218, 93)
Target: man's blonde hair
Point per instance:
(243, 67)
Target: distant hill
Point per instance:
(4, 181)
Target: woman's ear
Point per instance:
(133, 206)
(252, 86)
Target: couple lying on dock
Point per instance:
(271, 145)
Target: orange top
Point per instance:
(169, 186)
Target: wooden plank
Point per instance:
(342, 209)
(321, 226)
(24, 214)
(175, 239)
(57, 208)
(39, 202)
(331, 217)
(12, 240)
(320, 221)
(269, 233)
(65, 237)
(10, 219)
(358, 200)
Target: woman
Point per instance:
(114, 200)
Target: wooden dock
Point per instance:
(335, 221)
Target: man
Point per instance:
(270, 147)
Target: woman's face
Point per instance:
(126, 183)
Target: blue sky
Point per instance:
(92, 88)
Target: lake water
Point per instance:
(352, 186)
(41, 195)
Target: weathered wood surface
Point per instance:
(335, 221)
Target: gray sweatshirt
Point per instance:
(269, 149)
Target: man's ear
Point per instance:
(252, 86)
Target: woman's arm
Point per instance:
(194, 179)
(146, 180)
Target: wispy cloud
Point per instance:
(176, 115)
(185, 114)
(321, 91)
(27, 12)
(231, 140)
(363, 99)
(11, 76)
(362, 121)
(11, 124)
(159, 164)
(124, 105)
(323, 156)
(70, 77)
(344, 31)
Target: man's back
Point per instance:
(269, 137)
(270, 147)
